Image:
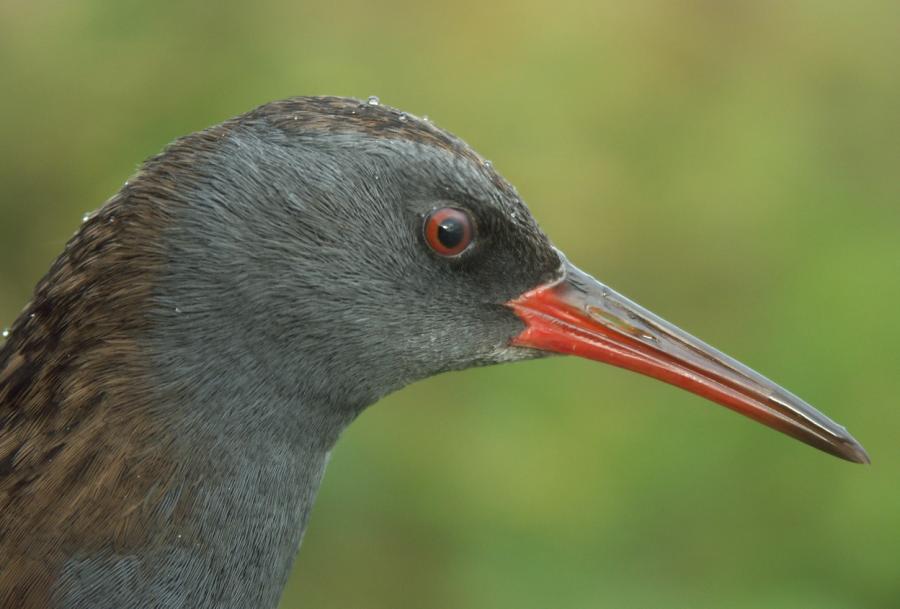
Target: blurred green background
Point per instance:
(734, 166)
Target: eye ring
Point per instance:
(449, 231)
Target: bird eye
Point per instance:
(448, 231)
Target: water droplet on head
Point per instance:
(86, 217)
(373, 100)
(402, 117)
(487, 164)
(177, 310)
(31, 316)
(426, 119)
(6, 333)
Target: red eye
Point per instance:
(448, 231)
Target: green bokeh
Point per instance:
(734, 166)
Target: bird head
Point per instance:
(337, 250)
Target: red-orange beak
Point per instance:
(578, 315)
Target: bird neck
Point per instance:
(245, 496)
(146, 451)
(254, 436)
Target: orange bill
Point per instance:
(578, 315)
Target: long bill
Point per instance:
(578, 315)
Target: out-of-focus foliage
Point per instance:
(732, 165)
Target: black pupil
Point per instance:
(451, 232)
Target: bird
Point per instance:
(170, 396)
